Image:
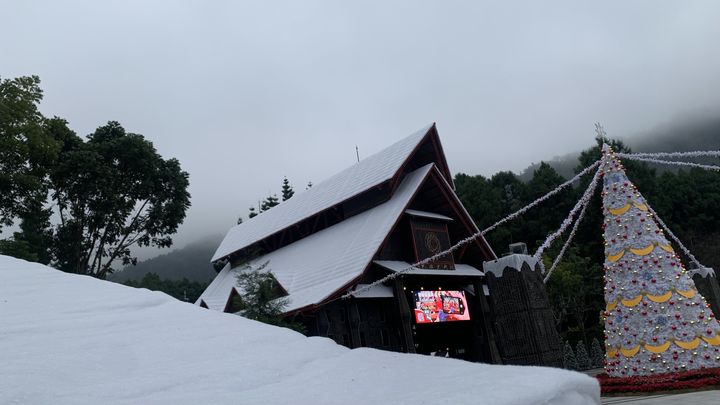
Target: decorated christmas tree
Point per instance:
(655, 320)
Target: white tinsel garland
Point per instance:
(675, 238)
(670, 162)
(567, 242)
(476, 235)
(541, 199)
(581, 203)
(694, 154)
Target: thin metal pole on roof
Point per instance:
(357, 153)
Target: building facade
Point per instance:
(373, 219)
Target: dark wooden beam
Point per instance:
(406, 316)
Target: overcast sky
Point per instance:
(244, 93)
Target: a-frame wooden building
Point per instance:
(376, 217)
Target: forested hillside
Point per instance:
(191, 262)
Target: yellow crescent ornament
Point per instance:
(659, 348)
(619, 211)
(688, 345)
(644, 251)
(660, 298)
(632, 302)
(616, 257)
(687, 294)
(715, 341)
(630, 352)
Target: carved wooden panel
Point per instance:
(429, 239)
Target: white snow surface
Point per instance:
(69, 339)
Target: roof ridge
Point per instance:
(349, 182)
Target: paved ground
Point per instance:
(693, 398)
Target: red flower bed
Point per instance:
(660, 382)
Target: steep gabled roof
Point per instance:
(317, 266)
(370, 172)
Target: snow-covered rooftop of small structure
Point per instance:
(70, 339)
(461, 269)
(318, 265)
(367, 173)
(515, 261)
(426, 214)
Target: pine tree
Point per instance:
(569, 360)
(309, 185)
(269, 202)
(260, 297)
(582, 357)
(287, 190)
(252, 213)
(655, 321)
(597, 356)
(240, 220)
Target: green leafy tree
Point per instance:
(25, 146)
(287, 190)
(34, 240)
(114, 192)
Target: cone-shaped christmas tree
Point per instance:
(655, 320)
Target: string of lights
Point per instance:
(693, 154)
(579, 205)
(476, 235)
(670, 162)
(567, 242)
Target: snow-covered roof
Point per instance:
(426, 214)
(367, 173)
(373, 291)
(318, 265)
(461, 269)
(105, 343)
(212, 296)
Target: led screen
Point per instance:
(440, 306)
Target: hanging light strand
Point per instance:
(475, 235)
(670, 162)
(675, 238)
(579, 205)
(567, 242)
(693, 154)
(541, 199)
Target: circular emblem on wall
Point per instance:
(432, 243)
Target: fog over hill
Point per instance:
(191, 262)
(700, 133)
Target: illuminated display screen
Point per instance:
(440, 306)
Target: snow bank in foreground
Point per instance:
(68, 339)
